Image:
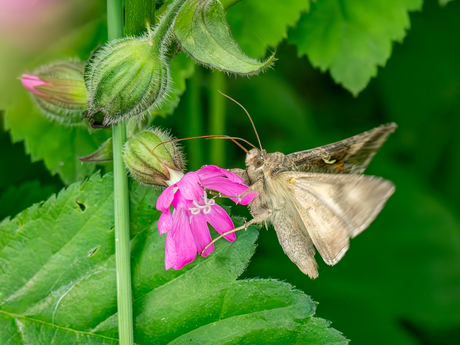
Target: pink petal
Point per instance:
(224, 186)
(182, 250)
(180, 202)
(209, 171)
(189, 185)
(221, 221)
(29, 82)
(165, 200)
(165, 222)
(170, 251)
(201, 233)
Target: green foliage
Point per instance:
(57, 281)
(352, 38)
(57, 145)
(15, 199)
(182, 68)
(258, 26)
(400, 278)
(203, 32)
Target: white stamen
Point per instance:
(206, 207)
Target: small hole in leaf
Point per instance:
(93, 251)
(81, 205)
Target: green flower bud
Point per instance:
(153, 164)
(59, 91)
(126, 78)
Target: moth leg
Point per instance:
(260, 218)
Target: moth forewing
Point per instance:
(335, 208)
(348, 156)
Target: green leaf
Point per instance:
(404, 269)
(351, 38)
(257, 26)
(203, 33)
(182, 68)
(57, 145)
(15, 199)
(58, 284)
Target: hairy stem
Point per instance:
(165, 25)
(217, 117)
(121, 201)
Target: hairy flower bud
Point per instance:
(153, 164)
(126, 78)
(59, 91)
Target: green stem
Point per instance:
(139, 14)
(121, 201)
(167, 18)
(217, 118)
(195, 116)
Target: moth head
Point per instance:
(255, 160)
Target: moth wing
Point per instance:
(348, 156)
(335, 208)
(296, 242)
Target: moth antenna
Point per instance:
(210, 136)
(250, 118)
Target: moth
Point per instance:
(317, 198)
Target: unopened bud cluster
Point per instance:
(152, 160)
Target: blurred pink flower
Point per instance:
(29, 82)
(187, 228)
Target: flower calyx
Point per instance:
(59, 91)
(151, 162)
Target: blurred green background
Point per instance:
(400, 281)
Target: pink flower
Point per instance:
(29, 82)
(187, 228)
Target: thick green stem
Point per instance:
(217, 117)
(121, 201)
(139, 14)
(195, 120)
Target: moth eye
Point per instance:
(258, 163)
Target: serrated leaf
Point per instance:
(58, 283)
(203, 33)
(257, 26)
(57, 145)
(352, 38)
(182, 68)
